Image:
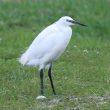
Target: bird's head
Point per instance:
(68, 21)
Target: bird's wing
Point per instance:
(42, 44)
(45, 46)
(42, 35)
(50, 44)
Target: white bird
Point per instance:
(47, 47)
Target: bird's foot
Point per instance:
(41, 97)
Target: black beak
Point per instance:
(76, 22)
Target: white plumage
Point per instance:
(48, 45)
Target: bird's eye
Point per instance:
(66, 19)
(69, 20)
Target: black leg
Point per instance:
(41, 82)
(50, 77)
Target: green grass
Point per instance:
(81, 75)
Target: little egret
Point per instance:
(47, 47)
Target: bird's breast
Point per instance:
(61, 44)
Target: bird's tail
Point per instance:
(23, 59)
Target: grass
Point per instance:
(81, 75)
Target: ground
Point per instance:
(81, 75)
